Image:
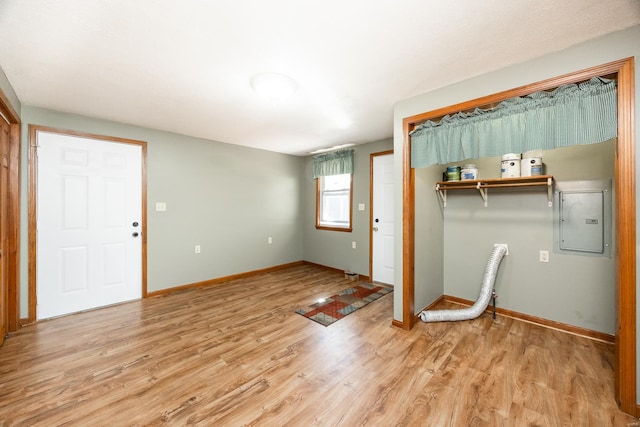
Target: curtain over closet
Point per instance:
(583, 113)
(334, 163)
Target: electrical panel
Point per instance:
(582, 221)
(582, 218)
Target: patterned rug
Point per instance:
(328, 310)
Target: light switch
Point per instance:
(361, 206)
(161, 206)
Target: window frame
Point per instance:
(319, 226)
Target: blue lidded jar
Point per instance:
(453, 173)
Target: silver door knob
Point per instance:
(375, 228)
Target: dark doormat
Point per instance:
(328, 310)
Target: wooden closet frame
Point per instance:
(13, 214)
(625, 213)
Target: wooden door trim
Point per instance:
(625, 214)
(7, 110)
(13, 227)
(371, 157)
(625, 184)
(32, 202)
(13, 214)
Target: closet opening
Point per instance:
(624, 212)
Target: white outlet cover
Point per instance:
(361, 207)
(544, 256)
(161, 207)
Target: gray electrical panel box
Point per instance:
(582, 221)
(583, 218)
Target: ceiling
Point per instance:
(185, 66)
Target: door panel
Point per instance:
(383, 221)
(89, 197)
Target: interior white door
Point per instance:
(383, 224)
(89, 204)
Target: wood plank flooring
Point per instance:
(236, 354)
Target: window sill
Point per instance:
(325, 227)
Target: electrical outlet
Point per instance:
(353, 245)
(544, 256)
(197, 249)
(269, 240)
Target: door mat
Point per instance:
(328, 310)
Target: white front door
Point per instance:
(382, 220)
(89, 212)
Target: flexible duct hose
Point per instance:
(483, 299)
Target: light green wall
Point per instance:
(333, 248)
(602, 50)
(429, 232)
(226, 198)
(9, 93)
(572, 289)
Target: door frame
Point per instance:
(33, 193)
(625, 213)
(9, 114)
(371, 157)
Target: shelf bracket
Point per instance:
(443, 195)
(550, 191)
(484, 192)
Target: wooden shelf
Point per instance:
(483, 185)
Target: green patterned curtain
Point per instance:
(334, 163)
(584, 113)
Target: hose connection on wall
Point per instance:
(487, 292)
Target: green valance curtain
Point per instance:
(584, 113)
(334, 163)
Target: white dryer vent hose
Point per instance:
(486, 291)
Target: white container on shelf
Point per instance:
(531, 166)
(510, 166)
(469, 172)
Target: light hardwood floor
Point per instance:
(236, 354)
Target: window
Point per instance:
(333, 202)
